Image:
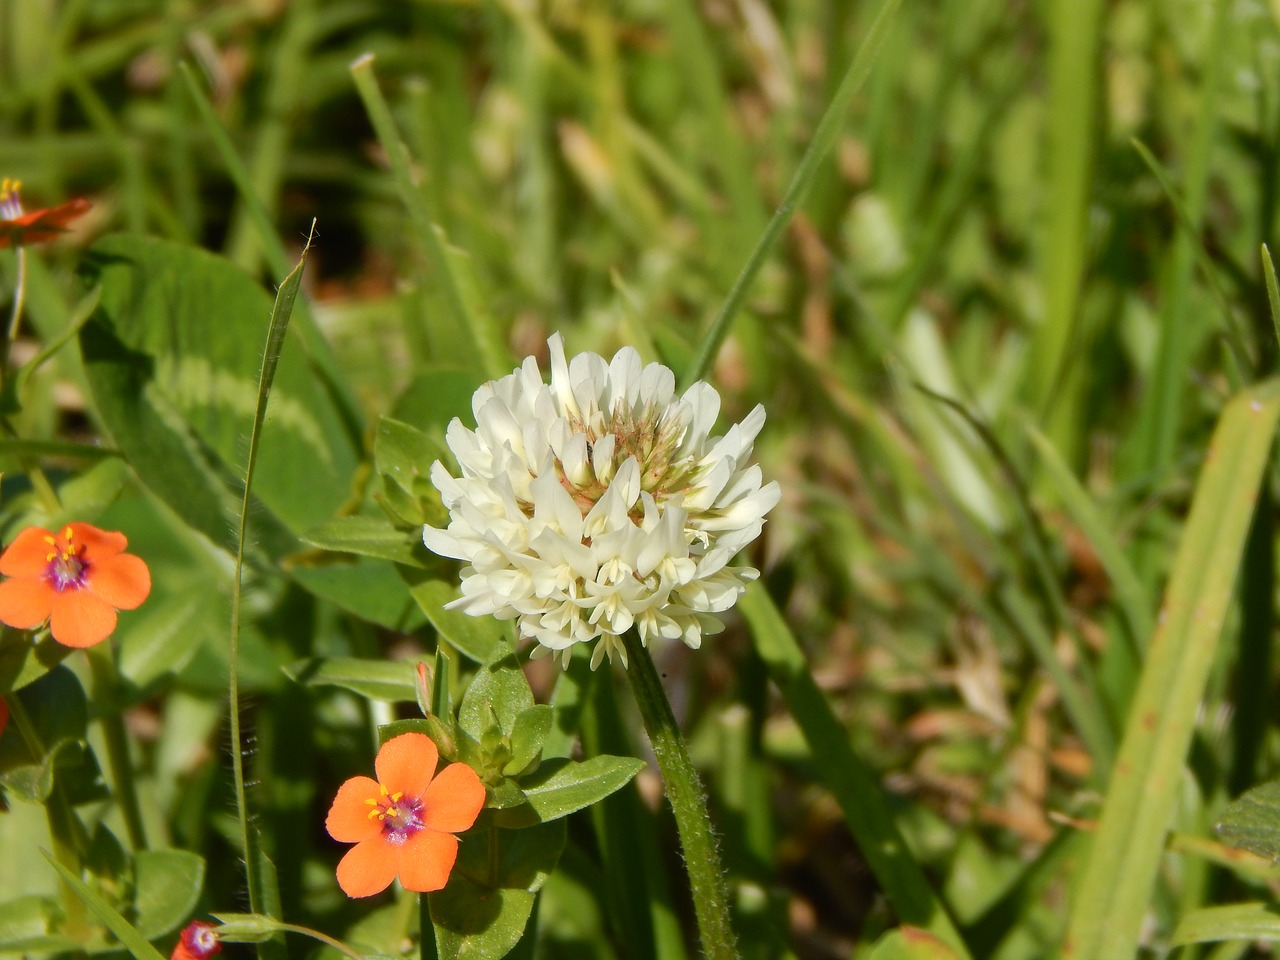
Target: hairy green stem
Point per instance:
(102, 663)
(688, 802)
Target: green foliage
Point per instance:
(992, 269)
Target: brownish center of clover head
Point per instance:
(400, 815)
(648, 437)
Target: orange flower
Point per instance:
(76, 580)
(4, 714)
(199, 941)
(18, 228)
(403, 823)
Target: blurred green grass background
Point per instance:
(992, 343)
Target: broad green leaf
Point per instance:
(910, 943)
(23, 662)
(1114, 887)
(476, 923)
(167, 887)
(30, 924)
(387, 680)
(173, 356)
(371, 589)
(1237, 921)
(561, 787)
(499, 689)
(483, 911)
(369, 537)
(161, 640)
(125, 932)
(435, 397)
(477, 637)
(1252, 821)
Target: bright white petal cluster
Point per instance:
(598, 503)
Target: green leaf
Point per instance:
(561, 787)
(173, 355)
(369, 537)
(23, 662)
(161, 641)
(30, 924)
(1237, 921)
(910, 943)
(391, 681)
(404, 454)
(499, 689)
(530, 732)
(477, 637)
(371, 589)
(1252, 821)
(481, 915)
(167, 887)
(473, 922)
(125, 932)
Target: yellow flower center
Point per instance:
(67, 569)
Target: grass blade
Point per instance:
(264, 898)
(124, 931)
(1120, 872)
(847, 777)
(824, 139)
(487, 342)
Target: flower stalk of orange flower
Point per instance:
(404, 823)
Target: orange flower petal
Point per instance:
(80, 619)
(348, 820)
(122, 580)
(425, 860)
(406, 764)
(26, 603)
(41, 225)
(368, 868)
(453, 800)
(98, 544)
(28, 555)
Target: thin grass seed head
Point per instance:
(599, 503)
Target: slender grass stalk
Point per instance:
(824, 139)
(487, 343)
(102, 664)
(1114, 886)
(260, 875)
(854, 785)
(688, 803)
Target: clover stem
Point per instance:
(688, 803)
(102, 663)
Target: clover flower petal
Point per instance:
(403, 823)
(600, 503)
(75, 579)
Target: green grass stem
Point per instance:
(1115, 885)
(824, 139)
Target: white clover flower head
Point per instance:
(598, 503)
